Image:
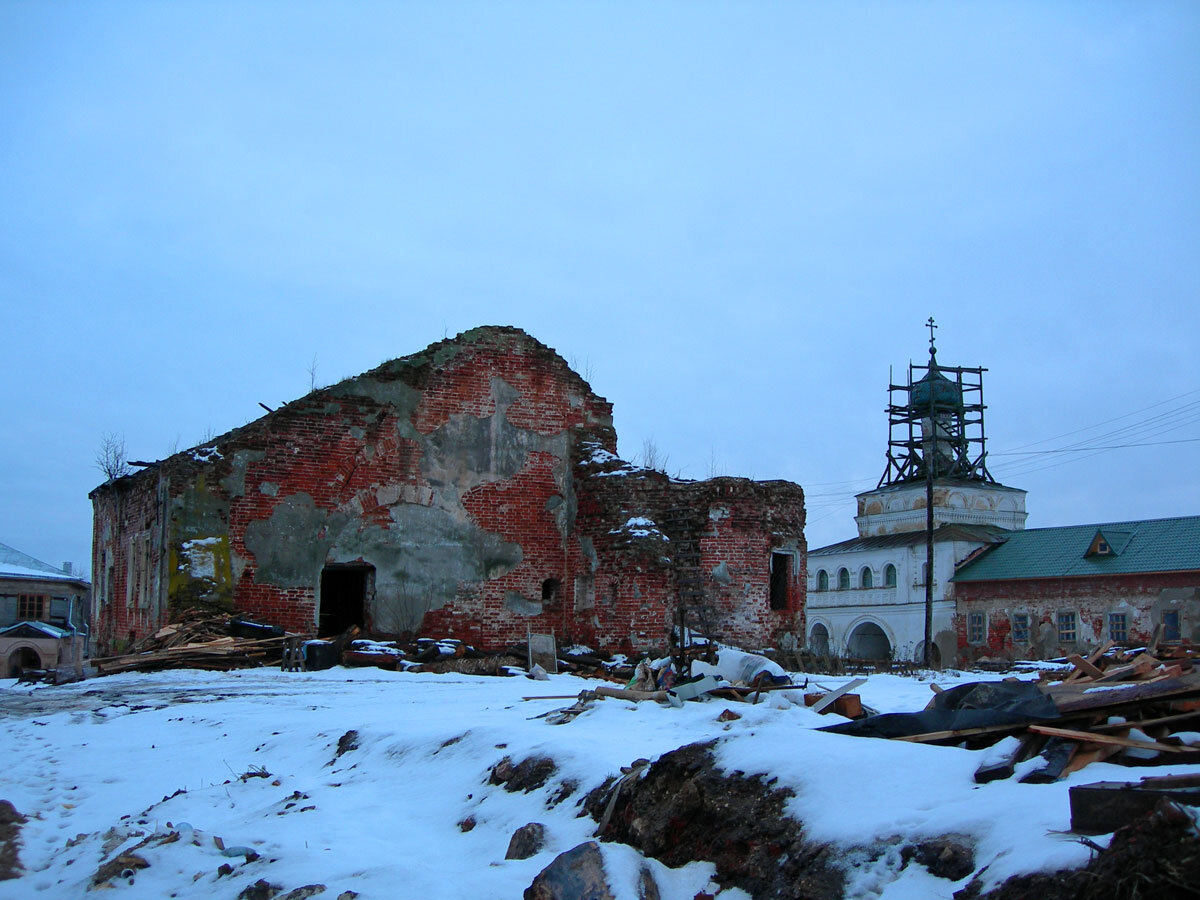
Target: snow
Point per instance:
(640, 527)
(13, 570)
(143, 753)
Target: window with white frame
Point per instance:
(1067, 629)
(822, 580)
(866, 578)
(889, 575)
(976, 627)
(843, 579)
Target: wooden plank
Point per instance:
(932, 736)
(1095, 738)
(1078, 699)
(1083, 758)
(1085, 666)
(1143, 723)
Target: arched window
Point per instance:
(843, 579)
(822, 580)
(866, 577)
(889, 575)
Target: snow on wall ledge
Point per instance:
(476, 488)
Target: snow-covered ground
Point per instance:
(99, 766)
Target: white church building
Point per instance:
(866, 595)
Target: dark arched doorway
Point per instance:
(21, 660)
(867, 641)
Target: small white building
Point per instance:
(43, 616)
(866, 595)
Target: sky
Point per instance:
(733, 219)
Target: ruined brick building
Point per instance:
(471, 490)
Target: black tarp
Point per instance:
(979, 704)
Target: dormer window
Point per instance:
(1110, 544)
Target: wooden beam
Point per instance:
(1094, 738)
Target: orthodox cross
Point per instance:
(931, 327)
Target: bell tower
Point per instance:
(936, 423)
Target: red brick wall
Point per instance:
(344, 461)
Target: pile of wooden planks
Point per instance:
(196, 640)
(1119, 706)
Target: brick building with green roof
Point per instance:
(1046, 592)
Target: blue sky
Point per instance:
(736, 217)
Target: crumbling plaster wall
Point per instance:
(1142, 597)
(455, 474)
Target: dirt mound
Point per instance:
(684, 810)
(1154, 858)
(10, 834)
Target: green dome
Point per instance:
(946, 394)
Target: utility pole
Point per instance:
(930, 463)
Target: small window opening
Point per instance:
(866, 578)
(889, 576)
(843, 579)
(975, 627)
(781, 574)
(1020, 628)
(550, 591)
(344, 591)
(822, 580)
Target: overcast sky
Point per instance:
(733, 218)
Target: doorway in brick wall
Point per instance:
(344, 592)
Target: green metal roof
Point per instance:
(1153, 545)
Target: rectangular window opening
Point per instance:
(1170, 623)
(975, 627)
(1020, 628)
(31, 607)
(781, 574)
(1118, 628)
(1066, 628)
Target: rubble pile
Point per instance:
(1135, 708)
(200, 639)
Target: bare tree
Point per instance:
(651, 457)
(312, 374)
(111, 458)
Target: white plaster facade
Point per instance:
(847, 608)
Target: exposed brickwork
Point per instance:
(472, 478)
(1142, 598)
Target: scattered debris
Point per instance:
(1105, 806)
(199, 640)
(1129, 714)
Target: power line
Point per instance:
(1085, 449)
